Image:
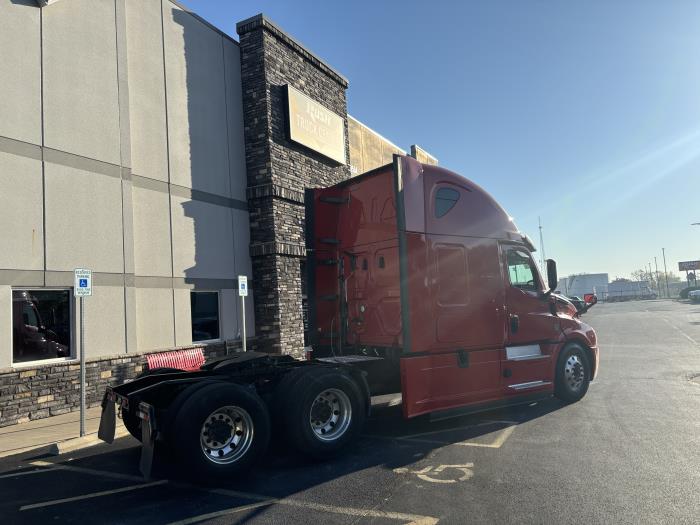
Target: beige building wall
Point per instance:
(80, 95)
(121, 150)
(20, 91)
(423, 156)
(369, 150)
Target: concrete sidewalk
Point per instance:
(43, 434)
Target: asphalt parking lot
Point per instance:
(626, 453)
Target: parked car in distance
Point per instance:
(577, 301)
(694, 296)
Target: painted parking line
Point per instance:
(92, 495)
(52, 467)
(409, 519)
(261, 500)
(224, 512)
(83, 470)
(681, 332)
(422, 437)
(25, 473)
(500, 439)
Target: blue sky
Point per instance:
(586, 114)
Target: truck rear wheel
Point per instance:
(220, 430)
(573, 373)
(324, 412)
(130, 419)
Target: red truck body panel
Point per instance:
(416, 258)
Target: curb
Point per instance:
(67, 445)
(79, 443)
(16, 452)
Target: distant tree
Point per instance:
(643, 275)
(672, 277)
(640, 275)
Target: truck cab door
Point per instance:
(532, 329)
(460, 325)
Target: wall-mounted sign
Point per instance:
(689, 265)
(314, 126)
(83, 282)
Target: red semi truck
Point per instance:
(419, 283)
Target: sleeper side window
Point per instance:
(445, 200)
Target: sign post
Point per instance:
(82, 287)
(243, 292)
(690, 268)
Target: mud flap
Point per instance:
(147, 446)
(107, 420)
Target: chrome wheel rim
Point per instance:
(226, 435)
(574, 372)
(330, 414)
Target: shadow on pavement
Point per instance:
(388, 442)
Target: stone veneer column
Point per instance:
(279, 170)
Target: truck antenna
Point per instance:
(542, 256)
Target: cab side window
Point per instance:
(521, 270)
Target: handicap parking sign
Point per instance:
(83, 282)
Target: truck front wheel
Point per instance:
(325, 411)
(222, 429)
(573, 373)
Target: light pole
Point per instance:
(658, 284)
(663, 251)
(696, 271)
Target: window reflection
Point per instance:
(41, 327)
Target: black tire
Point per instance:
(335, 399)
(131, 421)
(573, 373)
(280, 398)
(226, 412)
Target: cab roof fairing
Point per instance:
(493, 216)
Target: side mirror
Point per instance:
(552, 274)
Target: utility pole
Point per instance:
(542, 258)
(663, 251)
(658, 285)
(651, 277)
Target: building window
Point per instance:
(41, 325)
(205, 315)
(445, 199)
